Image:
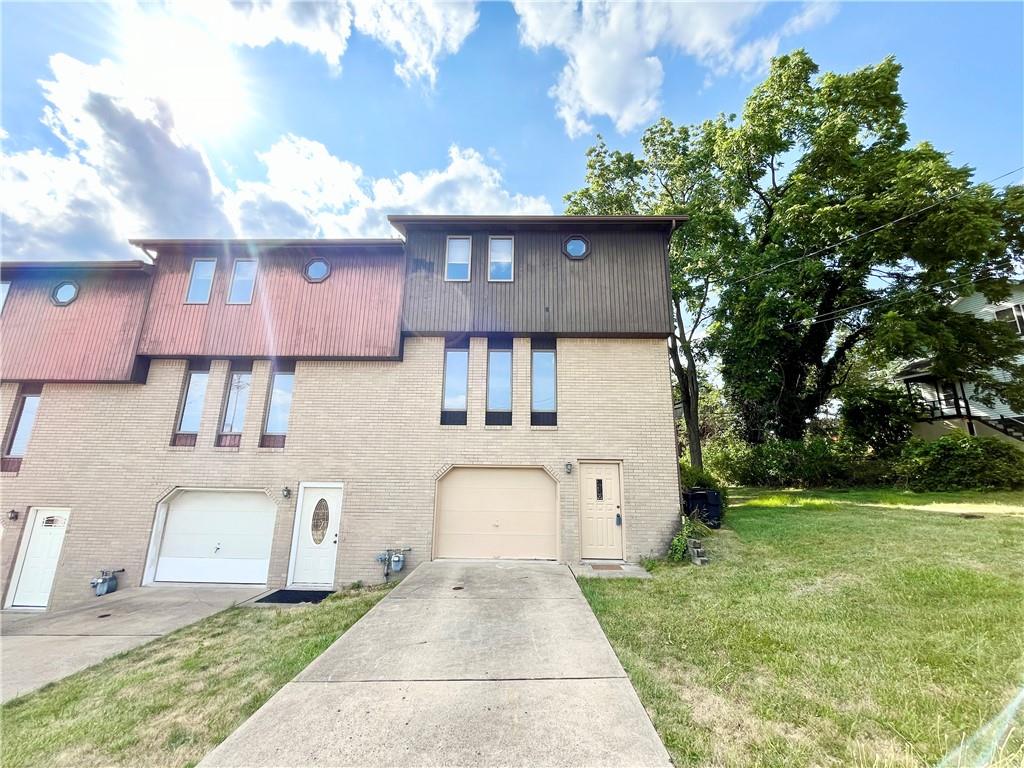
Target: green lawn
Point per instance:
(171, 701)
(869, 628)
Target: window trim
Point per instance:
(231, 283)
(235, 370)
(469, 261)
(491, 239)
(282, 371)
(5, 291)
(499, 416)
(544, 418)
(24, 394)
(53, 293)
(191, 277)
(565, 247)
(1016, 314)
(305, 271)
(454, 417)
(199, 368)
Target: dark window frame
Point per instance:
(311, 262)
(499, 417)
(543, 418)
(53, 293)
(270, 439)
(1016, 316)
(454, 417)
(570, 238)
(188, 438)
(232, 438)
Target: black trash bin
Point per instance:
(705, 505)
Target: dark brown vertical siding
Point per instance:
(619, 289)
(355, 312)
(94, 338)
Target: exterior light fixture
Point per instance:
(568, 467)
(286, 492)
(12, 515)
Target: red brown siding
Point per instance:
(355, 312)
(94, 338)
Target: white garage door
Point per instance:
(490, 512)
(219, 537)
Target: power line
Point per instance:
(859, 235)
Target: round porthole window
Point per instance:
(64, 293)
(576, 247)
(317, 270)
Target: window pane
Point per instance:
(500, 258)
(544, 381)
(499, 380)
(200, 281)
(457, 259)
(456, 374)
(243, 280)
(192, 407)
(238, 399)
(23, 429)
(4, 288)
(280, 404)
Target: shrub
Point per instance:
(691, 529)
(879, 417)
(958, 461)
(702, 478)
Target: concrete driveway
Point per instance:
(37, 648)
(464, 664)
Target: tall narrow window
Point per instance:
(279, 406)
(192, 405)
(21, 427)
(499, 382)
(500, 259)
(456, 382)
(200, 281)
(236, 400)
(5, 288)
(543, 384)
(243, 281)
(456, 259)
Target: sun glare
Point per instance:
(190, 68)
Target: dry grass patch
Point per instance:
(171, 701)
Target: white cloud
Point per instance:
(612, 69)
(420, 33)
(129, 170)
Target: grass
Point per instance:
(171, 701)
(869, 628)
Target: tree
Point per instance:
(815, 231)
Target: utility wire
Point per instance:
(859, 235)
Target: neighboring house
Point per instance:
(954, 404)
(281, 412)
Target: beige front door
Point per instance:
(601, 512)
(496, 512)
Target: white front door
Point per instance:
(601, 511)
(40, 554)
(317, 523)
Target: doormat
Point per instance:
(606, 567)
(292, 596)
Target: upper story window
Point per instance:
(316, 270)
(456, 258)
(5, 288)
(64, 293)
(1014, 316)
(200, 281)
(191, 410)
(21, 427)
(243, 281)
(543, 383)
(236, 400)
(500, 259)
(456, 382)
(279, 406)
(499, 382)
(576, 247)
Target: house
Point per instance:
(282, 412)
(952, 405)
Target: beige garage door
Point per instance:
(489, 512)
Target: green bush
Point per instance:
(879, 417)
(958, 461)
(702, 478)
(677, 548)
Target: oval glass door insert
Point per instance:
(321, 517)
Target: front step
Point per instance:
(695, 548)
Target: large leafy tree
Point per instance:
(816, 229)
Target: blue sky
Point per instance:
(318, 120)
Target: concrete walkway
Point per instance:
(39, 647)
(465, 664)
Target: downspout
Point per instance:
(967, 408)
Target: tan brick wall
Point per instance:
(102, 451)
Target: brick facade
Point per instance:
(102, 450)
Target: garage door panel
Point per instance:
(217, 537)
(489, 512)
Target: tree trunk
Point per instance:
(686, 375)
